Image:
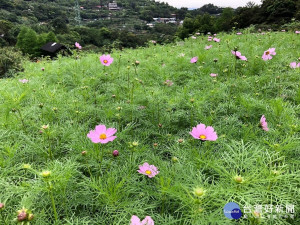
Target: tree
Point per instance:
(27, 41)
(50, 37)
(60, 24)
(225, 21)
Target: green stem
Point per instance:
(88, 167)
(49, 150)
(192, 115)
(119, 66)
(21, 118)
(100, 154)
(128, 79)
(135, 71)
(131, 100)
(158, 115)
(52, 201)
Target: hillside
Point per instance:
(42, 11)
(91, 23)
(154, 97)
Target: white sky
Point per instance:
(200, 3)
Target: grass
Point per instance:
(73, 96)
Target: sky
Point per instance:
(194, 4)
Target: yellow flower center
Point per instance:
(105, 61)
(267, 52)
(202, 137)
(102, 136)
(148, 172)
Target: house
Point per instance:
(53, 48)
(113, 6)
(165, 20)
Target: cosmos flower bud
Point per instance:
(83, 153)
(192, 100)
(119, 108)
(137, 63)
(180, 140)
(215, 60)
(2, 206)
(239, 179)
(22, 215)
(275, 172)
(41, 105)
(135, 144)
(113, 96)
(30, 217)
(43, 69)
(45, 127)
(155, 144)
(174, 159)
(115, 153)
(159, 125)
(198, 192)
(13, 110)
(256, 214)
(200, 210)
(26, 166)
(46, 173)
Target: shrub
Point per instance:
(10, 61)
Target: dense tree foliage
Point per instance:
(209, 18)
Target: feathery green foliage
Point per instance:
(72, 96)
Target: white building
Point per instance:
(113, 6)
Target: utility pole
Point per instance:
(77, 13)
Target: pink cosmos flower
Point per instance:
(24, 81)
(136, 221)
(153, 42)
(208, 47)
(77, 45)
(43, 69)
(215, 34)
(238, 55)
(239, 33)
(106, 60)
(268, 54)
(204, 133)
(101, 134)
(297, 32)
(148, 170)
(263, 123)
(194, 59)
(198, 33)
(216, 40)
(282, 30)
(294, 65)
(213, 74)
(168, 83)
(193, 37)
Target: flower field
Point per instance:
(159, 135)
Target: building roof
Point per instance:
(53, 47)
